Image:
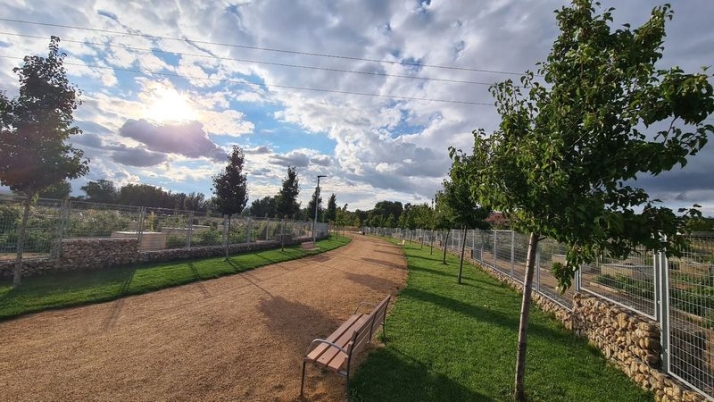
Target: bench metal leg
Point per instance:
(302, 382)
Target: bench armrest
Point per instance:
(318, 340)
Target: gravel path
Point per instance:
(237, 338)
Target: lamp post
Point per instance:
(317, 198)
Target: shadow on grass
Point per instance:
(388, 369)
(480, 313)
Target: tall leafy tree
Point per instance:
(286, 203)
(310, 212)
(34, 128)
(466, 211)
(101, 190)
(231, 187)
(263, 207)
(563, 161)
(57, 191)
(331, 213)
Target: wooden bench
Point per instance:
(335, 353)
(308, 245)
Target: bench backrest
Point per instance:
(379, 314)
(363, 335)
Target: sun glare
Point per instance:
(167, 105)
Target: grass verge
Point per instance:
(77, 288)
(450, 342)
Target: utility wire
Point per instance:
(334, 56)
(256, 61)
(256, 84)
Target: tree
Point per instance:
(57, 191)
(331, 213)
(263, 207)
(286, 204)
(465, 209)
(311, 206)
(33, 130)
(102, 191)
(195, 202)
(443, 219)
(563, 161)
(230, 187)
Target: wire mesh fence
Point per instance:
(51, 221)
(676, 292)
(44, 225)
(690, 317)
(629, 282)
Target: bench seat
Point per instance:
(335, 352)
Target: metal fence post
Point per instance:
(537, 268)
(495, 249)
(190, 230)
(663, 308)
(142, 216)
(513, 253)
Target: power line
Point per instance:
(334, 56)
(256, 84)
(258, 62)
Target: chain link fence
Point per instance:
(678, 293)
(50, 221)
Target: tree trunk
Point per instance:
(17, 272)
(446, 243)
(463, 248)
(431, 242)
(228, 233)
(523, 325)
(422, 240)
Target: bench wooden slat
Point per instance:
(358, 341)
(352, 336)
(344, 340)
(337, 337)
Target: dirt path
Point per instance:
(237, 338)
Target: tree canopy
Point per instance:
(331, 213)
(286, 203)
(564, 160)
(230, 187)
(34, 128)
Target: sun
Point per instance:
(167, 105)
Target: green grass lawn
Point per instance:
(76, 288)
(450, 342)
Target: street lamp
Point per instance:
(317, 198)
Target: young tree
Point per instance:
(331, 213)
(230, 187)
(443, 219)
(286, 204)
(465, 210)
(563, 162)
(33, 130)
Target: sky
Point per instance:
(370, 93)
